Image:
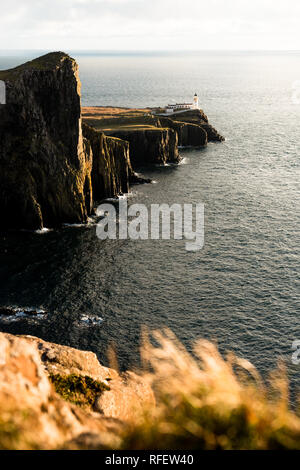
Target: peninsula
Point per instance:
(57, 160)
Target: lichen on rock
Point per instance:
(78, 389)
(49, 396)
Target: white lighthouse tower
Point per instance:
(196, 101)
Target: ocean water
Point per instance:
(242, 288)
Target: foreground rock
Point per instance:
(45, 163)
(33, 415)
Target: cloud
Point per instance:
(145, 24)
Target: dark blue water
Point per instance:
(242, 289)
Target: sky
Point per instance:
(135, 25)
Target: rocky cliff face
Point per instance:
(45, 163)
(189, 135)
(198, 117)
(150, 146)
(50, 172)
(111, 171)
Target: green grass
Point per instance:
(77, 389)
(97, 124)
(46, 62)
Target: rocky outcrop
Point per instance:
(198, 117)
(111, 171)
(50, 173)
(189, 135)
(150, 142)
(150, 146)
(45, 163)
(35, 413)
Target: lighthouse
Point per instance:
(196, 101)
(178, 107)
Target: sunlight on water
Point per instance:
(242, 289)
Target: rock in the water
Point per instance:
(12, 311)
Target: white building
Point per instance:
(171, 108)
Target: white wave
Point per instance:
(119, 197)
(89, 320)
(43, 230)
(19, 313)
(162, 165)
(90, 221)
(184, 161)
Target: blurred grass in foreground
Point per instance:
(206, 402)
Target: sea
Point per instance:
(241, 290)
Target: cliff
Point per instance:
(45, 163)
(150, 134)
(150, 145)
(149, 141)
(112, 172)
(189, 134)
(198, 117)
(50, 172)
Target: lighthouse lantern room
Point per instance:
(196, 101)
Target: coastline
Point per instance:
(85, 430)
(70, 165)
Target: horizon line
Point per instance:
(136, 51)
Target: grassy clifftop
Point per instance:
(49, 61)
(192, 126)
(112, 119)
